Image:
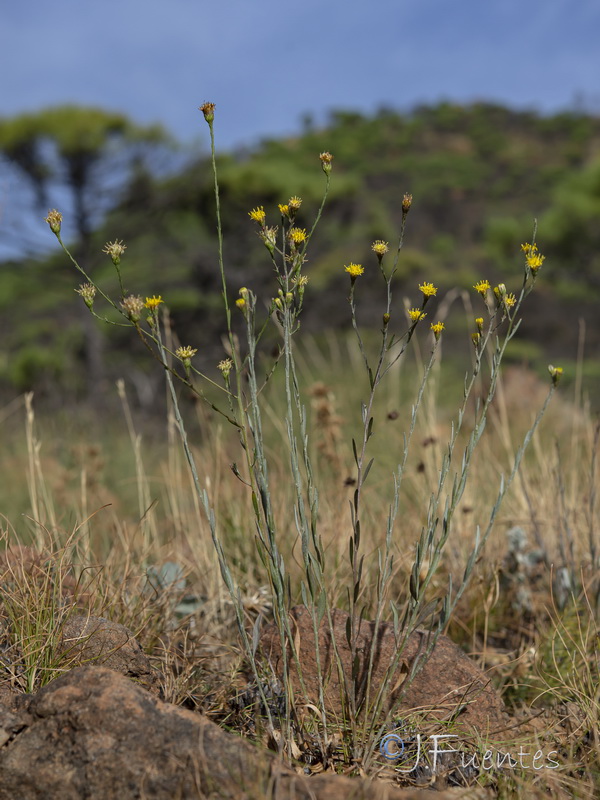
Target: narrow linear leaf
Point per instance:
(370, 428)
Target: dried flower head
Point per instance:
(208, 109)
(133, 306)
(225, 367)
(294, 203)
(416, 315)
(482, 287)
(428, 289)
(406, 203)
(354, 270)
(326, 159)
(88, 292)
(297, 235)
(269, 238)
(115, 250)
(258, 215)
(380, 248)
(54, 220)
(186, 352)
(300, 281)
(153, 302)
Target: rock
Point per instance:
(25, 567)
(20, 560)
(12, 699)
(94, 734)
(449, 682)
(95, 640)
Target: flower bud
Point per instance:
(555, 374)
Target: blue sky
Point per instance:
(266, 63)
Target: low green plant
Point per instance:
(237, 396)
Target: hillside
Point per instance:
(479, 175)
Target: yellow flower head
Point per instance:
(535, 261)
(284, 209)
(294, 203)
(479, 323)
(476, 337)
(297, 235)
(240, 303)
(529, 249)
(437, 328)
(54, 220)
(258, 215)
(416, 315)
(428, 289)
(482, 287)
(380, 248)
(153, 302)
(354, 270)
(300, 281)
(510, 300)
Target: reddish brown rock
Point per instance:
(449, 685)
(95, 640)
(24, 567)
(92, 733)
(20, 560)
